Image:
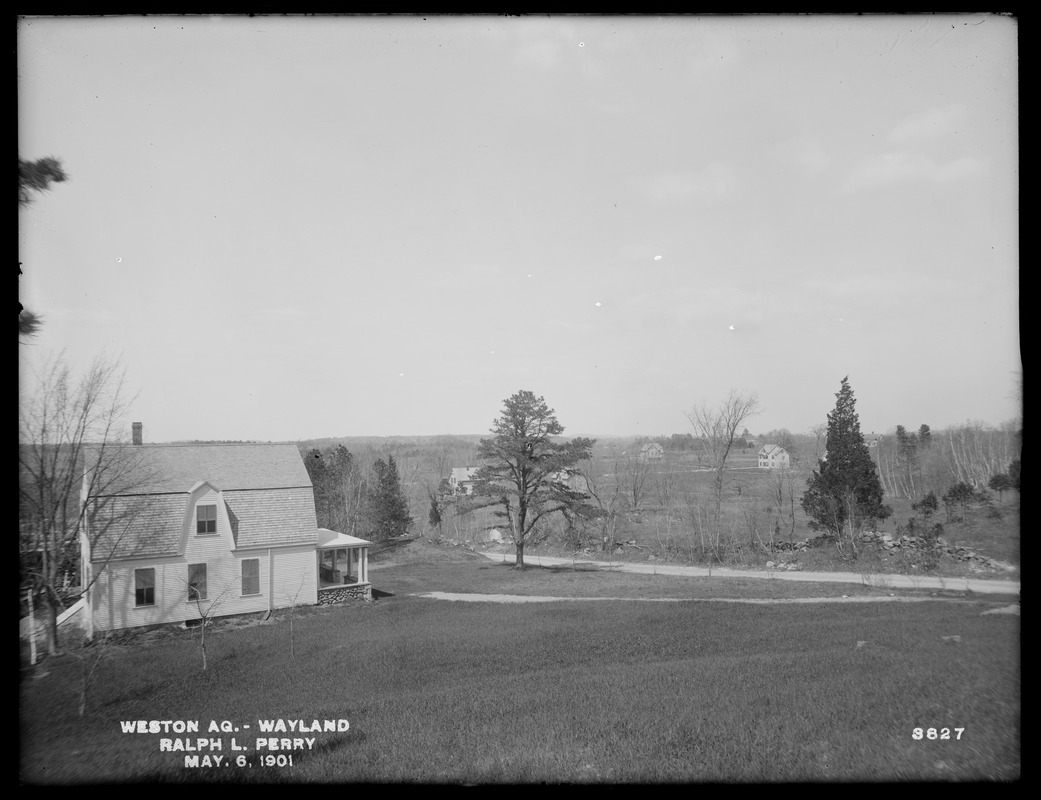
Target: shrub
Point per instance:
(927, 506)
(1000, 483)
(958, 495)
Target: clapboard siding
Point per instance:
(294, 580)
(288, 576)
(113, 595)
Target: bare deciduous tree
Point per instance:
(294, 601)
(776, 486)
(717, 428)
(74, 461)
(606, 511)
(820, 437)
(88, 665)
(440, 458)
(633, 473)
(208, 613)
(784, 486)
(664, 481)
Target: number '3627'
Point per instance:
(936, 733)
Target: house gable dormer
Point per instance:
(206, 528)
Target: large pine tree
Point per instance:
(526, 471)
(844, 493)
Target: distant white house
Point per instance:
(462, 479)
(773, 456)
(652, 451)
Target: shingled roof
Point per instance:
(178, 467)
(265, 487)
(269, 517)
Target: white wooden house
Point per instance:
(462, 479)
(652, 451)
(218, 530)
(773, 456)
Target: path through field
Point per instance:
(877, 581)
(467, 597)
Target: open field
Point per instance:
(666, 508)
(672, 518)
(669, 534)
(614, 691)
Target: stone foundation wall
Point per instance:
(345, 594)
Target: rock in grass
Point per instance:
(951, 639)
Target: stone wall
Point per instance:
(956, 552)
(888, 543)
(344, 594)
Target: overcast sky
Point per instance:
(299, 228)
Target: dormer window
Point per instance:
(205, 519)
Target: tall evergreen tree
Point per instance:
(925, 436)
(844, 492)
(388, 506)
(526, 471)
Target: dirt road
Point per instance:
(467, 597)
(878, 581)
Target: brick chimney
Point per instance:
(138, 429)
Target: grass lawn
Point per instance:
(615, 691)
